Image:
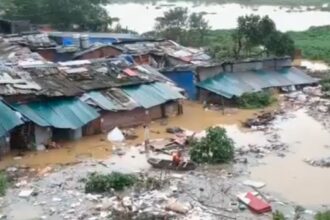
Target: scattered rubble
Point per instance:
(324, 162)
(261, 121)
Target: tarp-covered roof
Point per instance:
(150, 95)
(238, 83)
(8, 119)
(64, 114)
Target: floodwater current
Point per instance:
(290, 176)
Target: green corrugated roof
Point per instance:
(65, 114)
(150, 95)
(237, 83)
(8, 119)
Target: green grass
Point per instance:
(3, 184)
(314, 43)
(105, 183)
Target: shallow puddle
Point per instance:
(291, 176)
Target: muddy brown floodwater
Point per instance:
(194, 118)
(291, 177)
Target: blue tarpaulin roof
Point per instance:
(65, 114)
(238, 83)
(150, 95)
(8, 119)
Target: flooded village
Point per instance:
(92, 125)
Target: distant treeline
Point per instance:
(246, 2)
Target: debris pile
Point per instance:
(261, 121)
(324, 162)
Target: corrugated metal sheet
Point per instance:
(150, 95)
(8, 119)
(65, 114)
(235, 84)
(102, 101)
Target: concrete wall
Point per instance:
(268, 64)
(242, 67)
(204, 73)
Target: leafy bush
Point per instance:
(100, 183)
(255, 100)
(278, 216)
(215, 148)
(3, 184)
(325, 84)
(323, 215)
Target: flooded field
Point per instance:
(291, 176)
(220, 16)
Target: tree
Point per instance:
(178, 25)
(279, 44)
(198, 28)
(259, 34)
(215, 148)
(62, 14)
(173, 24)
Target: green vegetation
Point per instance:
(323, 215)
(178, 25)
(314, 43)
(325, 83)
(3, 184)
(255, 100)
(215, 148)
(245, 2)
(62, 14)
(255, 37)
(101, 183)
(278, 216)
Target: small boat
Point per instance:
(167, 164)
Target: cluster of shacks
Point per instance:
(62, 86)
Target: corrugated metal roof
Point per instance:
(65, 114)
(235, 84)
(102, 101)
(150, 95)
(96, 35)
(8, 119)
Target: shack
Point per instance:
(252, 76)
(9, 120)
